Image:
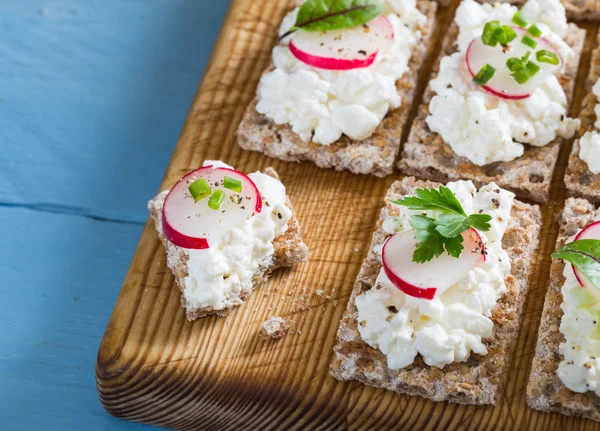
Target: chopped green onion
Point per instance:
(199, 189)
(524, 75)
(534, 30)
(504, 34)
(488, 37)
(546, 56)
(216, 200)
(484, 75)
(515, 64)
(519, 20)
(232, 184)
(529, 41)
(526, 57)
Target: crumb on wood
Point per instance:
(273, 328)
(320, 292)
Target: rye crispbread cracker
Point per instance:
(289, 250)
(374, 155)
(426, 155)
(585, 10)
(578, 178)
(479, 379)
(545, 390)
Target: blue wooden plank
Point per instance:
(61, 275)
(93, 94)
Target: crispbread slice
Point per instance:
(289, 250)
(585, 10)
(426, 155)
(479, 379)
(374, 155)
(545, 390)
(578, 179)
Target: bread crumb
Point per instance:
(320, 292)
(275, 327)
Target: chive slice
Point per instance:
(534, 30)
(515, 64)
(526, 57)
(519, 20)
(484, 75)
(524, 75)
(546, 56)
(488, 37)
(532, 68)
(232, 184)
(216, 200)
(199, 189)
(529, 41)
(504, 34)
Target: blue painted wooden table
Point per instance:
(93, 94)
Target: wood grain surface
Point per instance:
(156, 367)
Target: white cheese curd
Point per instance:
(485, 128)
(458, 320)
(217, 275)
(580, 368)
(589, 150)
(596, 91)
(322, 105)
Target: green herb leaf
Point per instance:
(216, 200)
(585, 256)
(488, 36)
(534, 30)
(441, 199)
(444, 232)
(529, 41)
(519, 20)
(232, 184)
(485, 74)
(324, 15)
(545, 56)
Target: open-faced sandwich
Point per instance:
(437, 304)
(224, 233)
(582, 178)
(576, 9)
(342, 82)
(565, 375)
(496, 108)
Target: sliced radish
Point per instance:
(591, 231)
(343, 49)
(502, 84)
(191, 224)
(424, 280)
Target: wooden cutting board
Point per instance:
(156, 367)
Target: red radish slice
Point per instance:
(191, 224)
(343, 49)
(591, 231)
(424, 280)
(502, 84)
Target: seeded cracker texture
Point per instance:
(374, 155)
(587, 10)
(426, 155)
(578, 179)
(475, 381)
(289, 250)
(545, 390)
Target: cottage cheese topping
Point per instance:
(455, 323)
(217, 275)
(321, 105)
(485, 128)
(589, 150)
(580, 368)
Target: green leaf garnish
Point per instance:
(216, 200)
(505, 34)
(545, 56)
(324, 15)
(584, 254)
(199, 189)
(232, 184)
(485, 74)
(488, 36)
(434, 235)
(524, 75)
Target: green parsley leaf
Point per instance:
(584, 254)
(324, 15)
(443, 233)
